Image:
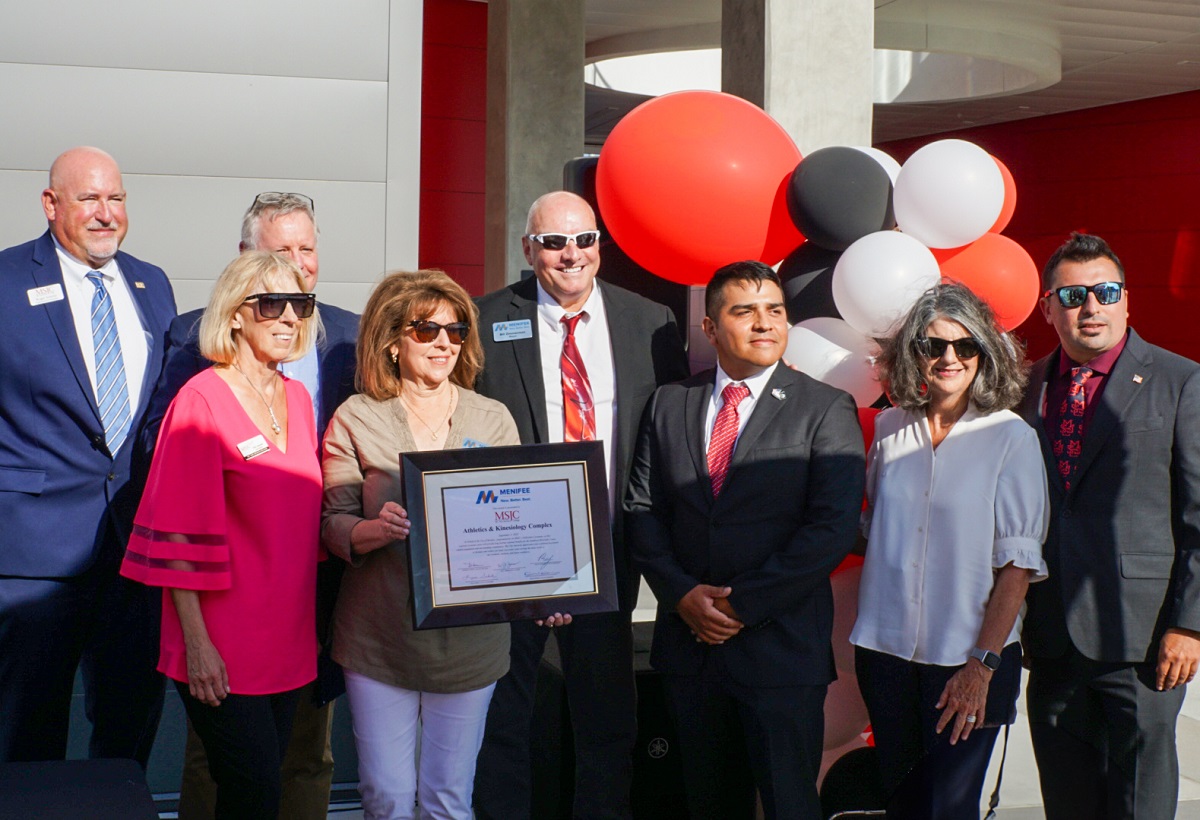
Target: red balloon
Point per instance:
(690, 181)
(1010, 198)
(1000, 272)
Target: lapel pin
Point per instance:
(141, 285)
(779, 394)
(1137, 379)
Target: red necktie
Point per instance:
(724, 434)
(579, 411)
(1069, 443)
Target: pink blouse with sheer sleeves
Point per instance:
(241, 531)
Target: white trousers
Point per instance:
(386, 719)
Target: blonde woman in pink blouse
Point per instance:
(229, 525)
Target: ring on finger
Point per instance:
(970, 718)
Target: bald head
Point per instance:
(85, 205)
(556, 201)
(565, 273)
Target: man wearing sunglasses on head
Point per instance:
(284, 223)
(573, 359)
(1113, 635)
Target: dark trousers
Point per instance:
(245, 739)
(100, 623)
(1104, 739)
(597, 665)
(925, 777)
(733, 738)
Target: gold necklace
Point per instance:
(432, 432)
(262, 396)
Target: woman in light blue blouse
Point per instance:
(957, 513)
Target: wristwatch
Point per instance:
(989, 659)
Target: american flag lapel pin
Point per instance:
(141, 285)
(1137, 379)
(779, 394)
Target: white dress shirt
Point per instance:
(939, 524)
(131, 330)
(757, 384)
(595, 346)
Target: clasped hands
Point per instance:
(707, 612)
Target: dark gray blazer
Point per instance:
(786, 517)
(1124, 543)
(647, 351)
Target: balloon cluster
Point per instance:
(690, 181)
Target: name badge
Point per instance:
(252, 447)
(473, 442)
(511, 331)
(42, 295)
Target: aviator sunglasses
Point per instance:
(558, 241)
(934, 348)
(1072, 296)
(272, 305)
(425, 331)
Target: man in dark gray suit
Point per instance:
(744, 496)
(1114, 633)
(626, 346)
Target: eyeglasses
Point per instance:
(273, 199)
(1073, 296)
(933, 348)
(426, 331)
(558, 241)
(272, 305)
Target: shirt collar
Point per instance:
(757, 383)
(108, 271)
(551, 312)
(1102, 364)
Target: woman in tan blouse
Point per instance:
(417, 356)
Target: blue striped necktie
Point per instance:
(112, 393)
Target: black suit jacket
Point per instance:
(647, 351)
(1124, 544)
(786, 517)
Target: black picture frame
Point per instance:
(436, 482)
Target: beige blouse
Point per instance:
(373, 633)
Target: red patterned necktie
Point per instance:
(1069, 443)
(579, 411)
(724, 435)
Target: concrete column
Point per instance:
(807, 63)
(534, 118)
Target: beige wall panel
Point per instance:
(162, 122)
(302, 38)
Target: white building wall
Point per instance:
(204, 106)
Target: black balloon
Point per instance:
(807, 276)
(838, 195)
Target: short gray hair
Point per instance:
(1003, 369)
(270, 206)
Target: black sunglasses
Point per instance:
(558, 241)
(1073, 296)
(425, 331)
(272, 305)
(934, 348)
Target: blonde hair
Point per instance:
(402, 297)
(250, 273)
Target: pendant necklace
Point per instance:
(432, 432)
(262, 396)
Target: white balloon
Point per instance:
(831, 351)
(878, 278)
(948, 194)
(889, 164)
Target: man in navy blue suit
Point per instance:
(284, 223)
(80, 348)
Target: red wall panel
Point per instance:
(1129, 173)
(453, 134)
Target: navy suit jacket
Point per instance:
(786, 517)
(62, 495)
(647, 351)
(1124, 544)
